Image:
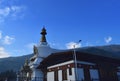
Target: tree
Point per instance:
(10, 75)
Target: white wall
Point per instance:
(71, 77)
(45, 50)
(80, 73)
(94, 74)
(60, 75)
(50, 76)
(36, 75)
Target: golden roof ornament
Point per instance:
(43, 33)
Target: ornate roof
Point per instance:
(90, 54)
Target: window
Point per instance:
(56, 75)
(64, 74)
(70, 71)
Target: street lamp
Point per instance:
(75, 60)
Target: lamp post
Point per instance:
(75, 61)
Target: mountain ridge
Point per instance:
(13, 63)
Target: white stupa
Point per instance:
(41, 51)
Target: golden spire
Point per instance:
(43, 33)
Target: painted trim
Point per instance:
(71, 65)
(72, 61)
(61, 64)
(87, 63)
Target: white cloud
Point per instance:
(0, 35)
(108, 39)
(4, 12)
(17, 11)
(8, 40)
(71, 45)
(3, 53)
(11, 12)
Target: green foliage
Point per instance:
(10, 75)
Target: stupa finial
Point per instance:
(43, 33)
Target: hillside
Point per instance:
(112, 51)
(13, 63)
(111, 48)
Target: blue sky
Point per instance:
(95, 22)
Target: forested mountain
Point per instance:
(13, 63)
